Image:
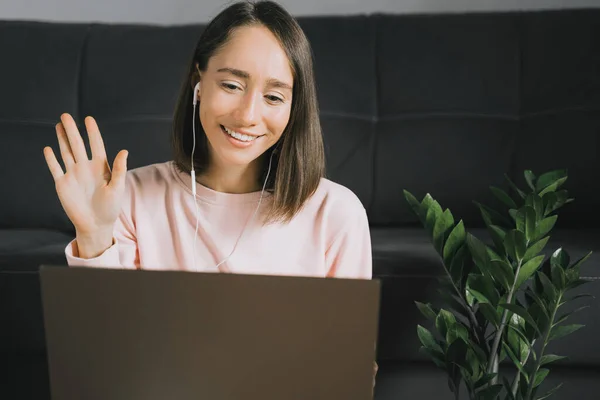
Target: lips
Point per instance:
(242, 137)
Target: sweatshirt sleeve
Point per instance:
(122, 254)
(349, 255)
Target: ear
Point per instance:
(196, 76)
(197, 80)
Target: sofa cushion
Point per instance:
(24, 250)
(41, 72)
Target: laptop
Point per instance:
(115, 334)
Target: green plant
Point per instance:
(501, 299)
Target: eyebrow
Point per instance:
(245, 75)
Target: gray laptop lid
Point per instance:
(156, 335)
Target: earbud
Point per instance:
(196, 90)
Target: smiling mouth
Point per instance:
(239, 136)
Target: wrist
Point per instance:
(93, 244)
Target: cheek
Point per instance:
(216, 104)
(278, 119)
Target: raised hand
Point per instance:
(90, 193)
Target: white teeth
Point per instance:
(239, 136)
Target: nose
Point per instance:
(247, 112)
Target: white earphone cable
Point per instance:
(193, 175)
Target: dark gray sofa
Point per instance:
(430, 103)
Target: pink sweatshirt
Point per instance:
(329, 237)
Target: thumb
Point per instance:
(119, 170)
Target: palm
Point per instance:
(89, 193)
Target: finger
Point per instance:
(53, 165)
(75, 140)
(65, 147)
(119, 170)
(96, 142)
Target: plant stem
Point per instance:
(472, 318)
(515, 385)
(543, 349)
(500, 331)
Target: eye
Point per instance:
(229, 86)
(274, 99)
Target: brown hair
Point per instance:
(299, 163)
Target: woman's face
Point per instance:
(245, 96)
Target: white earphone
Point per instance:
(193, 176)
(194, 101)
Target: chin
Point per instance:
(238, 160)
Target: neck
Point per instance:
(231, 179)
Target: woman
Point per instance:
(245, 192)
(255, 106)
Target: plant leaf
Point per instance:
(550, 392)
(513, 214)
(579, 296)
(427, 339)
(485, 378)
(458, 331)
(528, 269)
(490, 314)
(520, 219)
(473, 361)
(549, 358)
(550, 291)
(455, 240)
(414, 205)
(502, 272)
(457, 354)
(479, 252)
(572, 273)
(508, 388)
(497, 234)
(550, 178)
(530, 223)
(530, 178)
(503, 197)
(426, 310)
(558, 277)
(458, 267)
(515, 244)
(564, 317)
(540, 376)
(490, 393)
(514, 187)
(484, 286)
(441, 229)
(544, 227)
(534, 201)
(560, 331)
(492, 255)
(531, 295)
(444, 321)
(521, 312)
(478, 296)
(560, 258)
(553, 187)
(517, 331)
(535, 249)
(432, 211)
(491, 216)
(577, 283)
(550, 201)
(515, 360)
